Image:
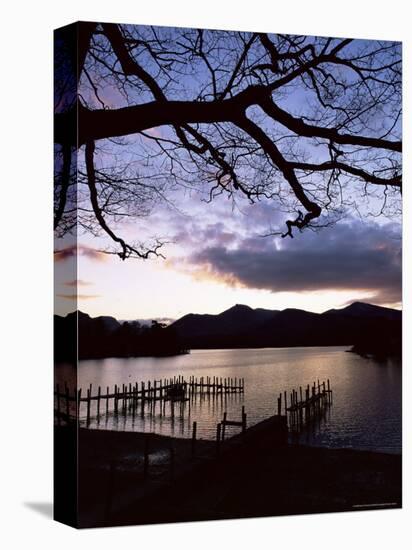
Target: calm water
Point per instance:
(366, 411)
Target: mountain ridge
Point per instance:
(242, 326)
(367, 327)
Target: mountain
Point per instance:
(102, 323)
(231, 322)
(242, 326)
(370, 329)
(104, 336)
(360, 309)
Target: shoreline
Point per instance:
(243, 348)
(131, 437)
(254, 476)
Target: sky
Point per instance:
(216, 254)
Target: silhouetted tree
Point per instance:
(98, 339)
(310, 122)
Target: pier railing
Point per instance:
(300, 407)
(292, 413)
(135, 397)
(306, 406)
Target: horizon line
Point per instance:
(172, 320)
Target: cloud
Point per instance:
(77, 282)
(65, 253)
(79, 296)
(148, 322)
(351, 256)
(80, 250)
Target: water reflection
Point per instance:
(366, 411)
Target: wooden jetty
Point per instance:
(182, 461)
(225, 422)
(295, 410)
(303, 408)
(181, 465)
(136, 398)
(306, 406)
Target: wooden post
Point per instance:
(98, 402)
(79, 400)
(88, 406)
(218, 436)
(194, 430)
(280, 404)
(224, 425)
(243, 420)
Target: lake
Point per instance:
(366, 410)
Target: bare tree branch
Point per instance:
(292, 119)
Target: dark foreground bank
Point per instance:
(249, 478)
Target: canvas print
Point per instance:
(227, 217)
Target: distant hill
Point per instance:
(104, 336)
(235, 320)
(242, 326)
(360, 309)
(370, 329)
